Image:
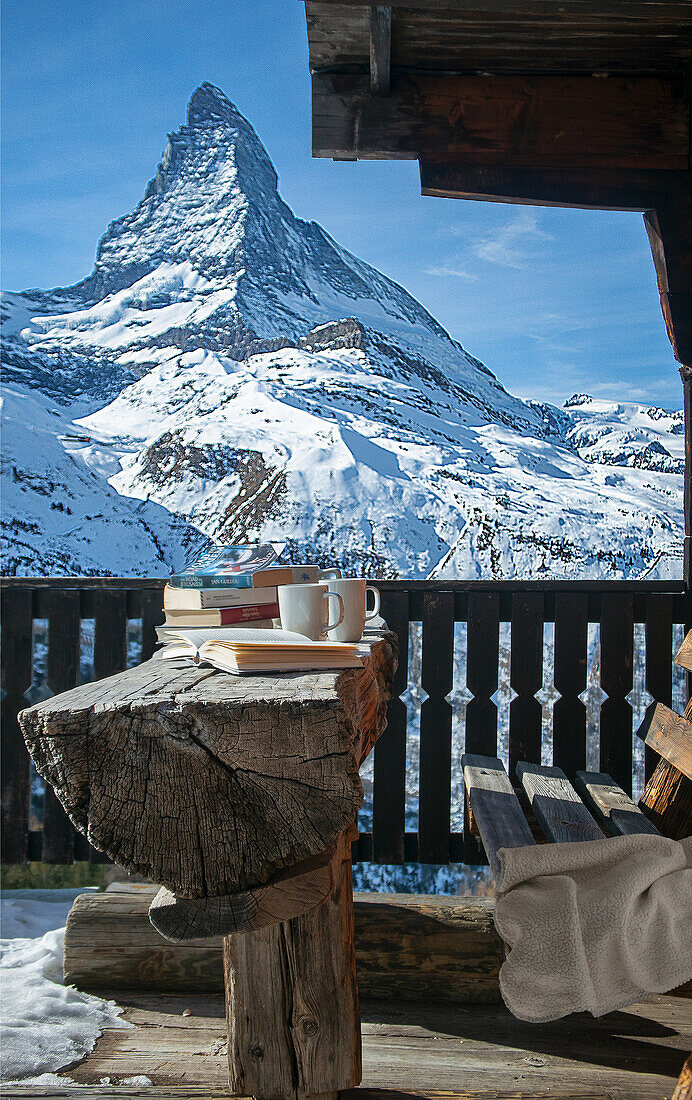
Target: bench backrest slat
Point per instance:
(495, 807)
(610, 805)
(557, 806)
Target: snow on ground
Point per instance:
(44, 1025)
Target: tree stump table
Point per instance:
(239, 795)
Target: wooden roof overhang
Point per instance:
(552, 102)
(577, 103)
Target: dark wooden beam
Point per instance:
(531, 121)
(380, 48)
(649, 9)
(669, 227)
(582, 188)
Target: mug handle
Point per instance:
(336, 596)
(333, 573)
(376, 609)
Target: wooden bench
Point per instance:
(594, 807)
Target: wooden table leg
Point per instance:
(292, 1003)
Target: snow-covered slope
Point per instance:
(239, 375)
(641, 436)
(60, 515)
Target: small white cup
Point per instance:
(354, 593)
(304, 608)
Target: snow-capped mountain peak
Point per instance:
(233, 373)
(209, 106)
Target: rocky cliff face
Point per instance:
(234, 373)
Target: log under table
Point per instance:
(239, 796)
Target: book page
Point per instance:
(292, 659)
(197, 636)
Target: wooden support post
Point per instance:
(667, 801)
(292, 1003)
(669, 227)
(686, 375)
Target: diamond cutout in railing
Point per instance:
(414, 697)
(503, 699)
(639, 698)
(547, 696)
(593, 696)
(504, 696)
(37, 693)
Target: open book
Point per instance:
(240, 650)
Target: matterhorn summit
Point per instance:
(227, 371)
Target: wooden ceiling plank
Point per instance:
(533, 121)
(339, 35)
(641, 9)
(380, 48)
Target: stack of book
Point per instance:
(226, 587)
(230, 586)
(220, 611)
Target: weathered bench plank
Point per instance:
(683, 657)
(557, 806)
(670, 735)
(610, 805)
(495, 807)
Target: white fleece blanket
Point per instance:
(595, 925)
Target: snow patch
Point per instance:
(45, 1025)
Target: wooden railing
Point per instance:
(463, 645)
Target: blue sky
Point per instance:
(553, 301)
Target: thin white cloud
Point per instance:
(446, 272)
(614, 391)
(510, 245)
(558, 385)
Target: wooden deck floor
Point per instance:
(408, 1050)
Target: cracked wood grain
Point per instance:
(292, 1000)
(207, 783)
(297, 890)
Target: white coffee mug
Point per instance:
(354, 593)
(304, 608)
